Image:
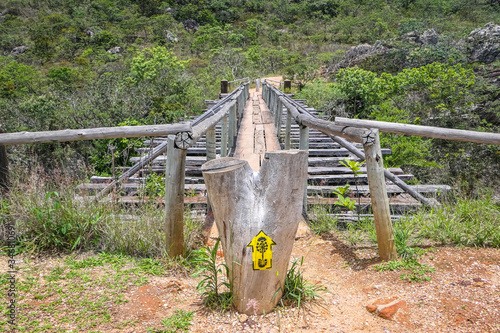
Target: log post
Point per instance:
(4, 168)
(257, 215)
(174, 198)
(257, 85)
(378, 194)
(231, 126)
(287, 86)
(288, 129)
(223, 140)
(211, 148)
(280, 117)
(224, 87)
(304, 145)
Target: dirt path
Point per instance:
(257, 133)
(463, 295)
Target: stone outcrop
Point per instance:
(18, 50)
(115, 50)
(191, 25)
(484, 43)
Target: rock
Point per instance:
(386, 308)
(170, 37)
(89, 32)
(169, 11)
(114, 50)
(191, 25)
(484, 43)
(357, 54)
(411, 37)
(18, 50)
(243, 318)
(429, 37)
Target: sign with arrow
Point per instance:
(262, 247)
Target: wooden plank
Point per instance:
(427, 131)
(364, 189)
(92, 133)
(346, 179)
(338, 152)
(343, 170)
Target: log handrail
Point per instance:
(339, 133)
(425, 131)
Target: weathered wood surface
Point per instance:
(92, 133)
(347, 179)
(427, 131)
(245, 203)
(4, 167)
(174, 199)
(395, 179)
(378, 194)
(130, 172)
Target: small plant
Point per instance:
(323, 221)
(342, 194)
(416, 271)
(355, 169)
(179, 321)
(296, 289)
(211, 283)
(353, 234)
(155, 185)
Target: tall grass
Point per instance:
(460, 221)
(50, 215)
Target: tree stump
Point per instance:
(257, 215)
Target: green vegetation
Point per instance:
(215, 277)
(180, 321)
(296, 288)
(60, 220)
(72, 296)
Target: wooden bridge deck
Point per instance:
(256, 135)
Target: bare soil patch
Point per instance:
(463, 295)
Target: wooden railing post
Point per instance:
(232, 126)
(174, 198)
(280, 116)
(304, 145)
(4, 168)
(211, 153)
(287, 86)
(224, 87)
(223, 140)
(378, 194)
(288, 129)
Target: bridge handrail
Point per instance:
(339, 133)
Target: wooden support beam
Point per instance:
(246, 203)
(304, 145)
(92, 133)
(378, 195)
(223, 141)
(4, 168)
(288, 129)
(211, 147)
(426, 131)
(395, 179)
(174, 199)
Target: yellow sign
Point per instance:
(262, 251)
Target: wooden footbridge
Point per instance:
(258, 130)
(246, 123)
